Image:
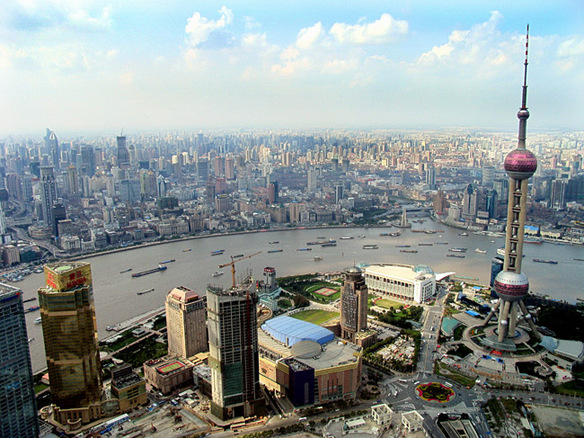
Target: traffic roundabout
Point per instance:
(434, 392)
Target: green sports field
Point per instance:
(315, 316)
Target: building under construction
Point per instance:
(233, 351)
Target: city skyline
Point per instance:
(96, 67)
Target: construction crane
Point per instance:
(234, 261)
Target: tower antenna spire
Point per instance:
(523, 113)
(524, 99)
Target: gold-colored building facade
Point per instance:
(186, 322)
(71, 343)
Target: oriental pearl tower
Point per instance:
(511, 284)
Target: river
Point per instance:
(116, 298)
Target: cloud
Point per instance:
(63, 58)
(200, 30)
(292, 67)
(571, 47)
(36, 15)
(308, 36)
(381, 31)
(480, 45)
(251, 24)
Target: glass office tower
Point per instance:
(17, 397)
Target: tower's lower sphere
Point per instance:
(511, 286)
(520, 164)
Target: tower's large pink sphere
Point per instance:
(511, 286)
(520, 164)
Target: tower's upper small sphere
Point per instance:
(520, 164)
(511, 286)
(523, 114)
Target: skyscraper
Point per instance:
(186, 322)
(123, 154)
(511, 284)
(70, 333)
(86, 159)
(48, 195)
(431, 177)
(17, 398)
(353, 304)
(233, 352)
(52, 148)
(338, 193)
(558, 194)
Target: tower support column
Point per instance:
(492, 313)
(529, 320)
(512, 319)
(503, 321)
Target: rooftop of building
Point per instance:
(168, 364)
(448, 325)
(382, 408)
(570, 349)
(238, 291)
(203, 371)
(290, 330)
(413, 416)
(400, 272)
(332, 354)
(183, 294)
(7, 291)
(127, 380)
(65, 266)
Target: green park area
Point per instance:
(388, 304)
(574, 387)
(400, 316)
(315, 316)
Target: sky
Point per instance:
(89, 66)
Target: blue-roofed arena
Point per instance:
(291, 330)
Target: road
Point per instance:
(430, 330)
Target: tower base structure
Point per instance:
(489, 339)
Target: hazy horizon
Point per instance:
(98, 67)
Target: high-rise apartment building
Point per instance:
(17, 397)
(273, 195)
(233, 352)
(186, 319)
(488, 176)
(312, 180)
(72, 180)
(48, 195)
(70, 333)
(353, 304)
(203, 170)
(439, 203)
(229, 168)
